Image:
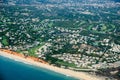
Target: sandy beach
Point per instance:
(79, 75)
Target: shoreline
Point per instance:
(67, 72)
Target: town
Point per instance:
(81, 36)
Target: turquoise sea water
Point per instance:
(13, 70)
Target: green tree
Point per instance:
(5, 41)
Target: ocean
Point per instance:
(14, 70)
